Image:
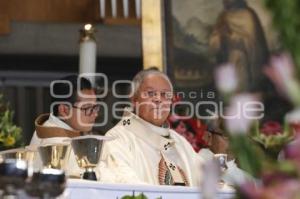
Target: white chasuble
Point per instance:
(51, 123)
(144, 153)
(53, 129)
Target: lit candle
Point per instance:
(87, 51)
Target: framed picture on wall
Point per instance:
(203, 34)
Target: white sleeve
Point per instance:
(117, 158)
(234, 175)
(206, 154)
(35, 140)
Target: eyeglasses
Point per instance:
(88, 111)
(152, 93)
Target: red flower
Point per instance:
(271, 128)
(181, 128)
(192, 129)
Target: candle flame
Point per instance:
(88, 26)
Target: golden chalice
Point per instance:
(54, 156)
(87, 150)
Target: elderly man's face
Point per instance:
(153, 100)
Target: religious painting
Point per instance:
(202, 34)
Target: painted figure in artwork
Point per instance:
(238, 38)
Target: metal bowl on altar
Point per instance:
(87, 150)
(14, 166)
(48, 183)
(54, 156)
(27, 154)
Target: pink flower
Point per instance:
(292, 151)
(250, 190)
(283, 189)
(286, 189)
(270, 178)
(271, 128)
(293, 118)
(281, 72)
(243, 110)
(226, 78)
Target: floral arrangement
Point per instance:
(10, 134)
(140, 196)
(270, 151)
(257, 146)
(191, 128)
(272, 137)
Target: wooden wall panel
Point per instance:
(54, 10)
(81, 11)
(4, 17)
(4, 24)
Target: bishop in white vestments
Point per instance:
(145, 150)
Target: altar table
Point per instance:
(81, 189)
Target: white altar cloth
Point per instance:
(81, 189)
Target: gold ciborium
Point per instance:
(87, 150)
(54, 156)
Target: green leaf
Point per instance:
(249, 156)
(286, 18)
(141, 196)
(11, 135)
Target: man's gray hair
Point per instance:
(140, 76)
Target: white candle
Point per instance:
(87, 57)
(125, 8)
(114, 8)
(138, 8)
(102, 8)
(87, 54)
